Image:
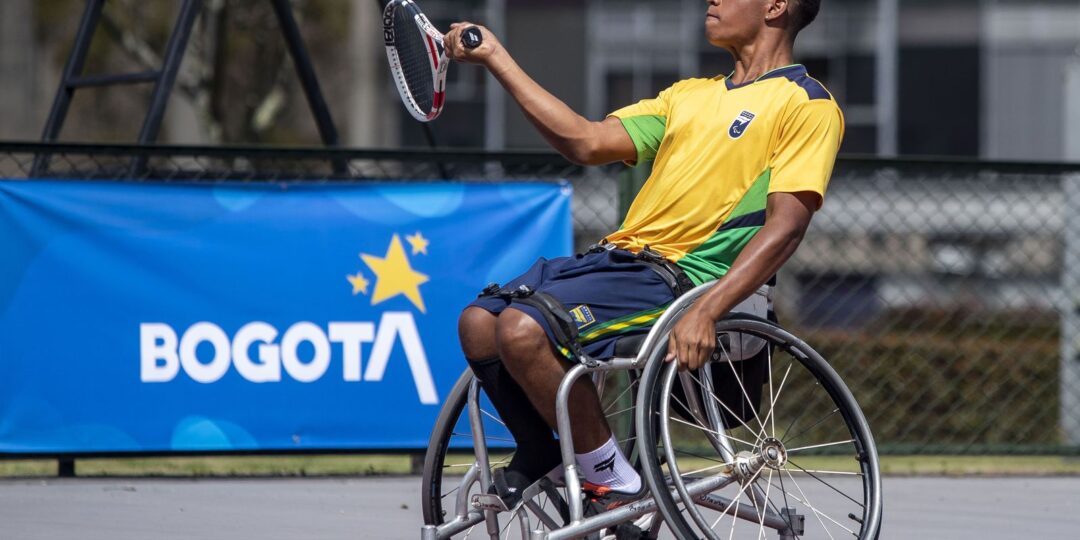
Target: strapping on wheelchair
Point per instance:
(718, 416)
(562, 322)
(566, 332)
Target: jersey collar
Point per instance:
(791, 71)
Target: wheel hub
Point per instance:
(745, 465)
(773, 453)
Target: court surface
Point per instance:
(388, 508)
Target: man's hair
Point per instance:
(804, 12)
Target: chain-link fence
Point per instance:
(947, 294)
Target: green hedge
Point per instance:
(952, 381)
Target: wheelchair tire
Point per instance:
(803, 397)
(438, 445)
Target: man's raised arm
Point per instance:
(572, 135)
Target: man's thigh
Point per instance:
(608, 294)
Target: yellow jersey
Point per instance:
(718, 150)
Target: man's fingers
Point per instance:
(452, 40)
(704, 352)
(673, 348)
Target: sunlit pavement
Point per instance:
(389, 508)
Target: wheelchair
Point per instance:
(774, 448)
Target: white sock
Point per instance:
(607, 466)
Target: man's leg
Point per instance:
(526, 352)
(538, 451)
(528, 356)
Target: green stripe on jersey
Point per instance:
(712, 259)
(647, 132)
(755, 198)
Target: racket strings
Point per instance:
(415, 57)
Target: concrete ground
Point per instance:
(389, 508)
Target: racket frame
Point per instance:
(437, 59)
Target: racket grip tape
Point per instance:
(472, 38)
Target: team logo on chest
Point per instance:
(738, 127)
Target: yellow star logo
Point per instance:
(359, 284)
(419, 243)
(394, 276)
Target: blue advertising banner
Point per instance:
(166, 317)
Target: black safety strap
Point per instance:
(677, 280)
(554, 312)
(559, 319)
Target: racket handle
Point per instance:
(472, 38)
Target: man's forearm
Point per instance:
(761, 259)
(565, 130)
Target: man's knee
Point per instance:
(518, 336)
(476, 330)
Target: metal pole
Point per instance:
(429, 133)
(887, 69)
(65, 467)
(494, 96)
(1072, 109)
(643, 25)
(566, 442)
(174, 55)
(595, 83)
(310, 82)
(476, 422)
(72, 69)
(1070, 279)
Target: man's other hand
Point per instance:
(693, 339)
(456, 50)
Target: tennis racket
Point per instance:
(417, 57)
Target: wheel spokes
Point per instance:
(797, 400)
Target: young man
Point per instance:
(741, 163)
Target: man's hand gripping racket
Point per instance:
(418, 56)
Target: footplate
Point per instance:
(482, 501)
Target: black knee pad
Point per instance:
(537, 450)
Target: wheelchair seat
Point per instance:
(628, 346)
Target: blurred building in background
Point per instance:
(980, 78)
(995, 79)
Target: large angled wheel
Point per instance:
(786, 454)
(451, 478)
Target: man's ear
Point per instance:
(776, 9)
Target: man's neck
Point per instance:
(766, 54)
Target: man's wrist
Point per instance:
(499, 62)
(714, 305)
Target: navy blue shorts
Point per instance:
(610, 294)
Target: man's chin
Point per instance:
(716, 41)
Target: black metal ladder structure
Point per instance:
(164, 79)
